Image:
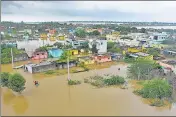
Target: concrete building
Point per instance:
(157, 38)
(101, 45)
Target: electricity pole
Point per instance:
(12, 57)
(68, 67)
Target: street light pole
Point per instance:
(12, 57)
(138, 73)
(68, 67)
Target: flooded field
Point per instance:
(54, 97)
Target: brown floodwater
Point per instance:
(54, 97)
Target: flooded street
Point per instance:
(54, 97)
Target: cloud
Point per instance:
(89, 10)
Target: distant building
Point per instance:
(112, 38)
(29, 31)
(102, 58)
(142, 55)
(158, 38)
(101, 45)
(86, 60)
(128, 42)
(39, 55)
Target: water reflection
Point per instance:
(7, 97)
(18, 103)
(55, 98)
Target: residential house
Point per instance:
(29, 31)
(46, 66)
(61, 37)
(20, 57)
(112, 37)
(116, 56)
(74, 52)
(101, 45)
(86, 60)
(41, 67)
(171, 53)
(169, 65)
(158, 38)
(135, 49)
(102, 58)
(127, 41)
(64, 65)
(142, 55)
(54, 52)
(39, 55)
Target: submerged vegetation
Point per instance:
(156, 89)
(102, 81)
(74, 82)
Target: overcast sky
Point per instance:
(34, 11)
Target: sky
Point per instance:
(40, 11)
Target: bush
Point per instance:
(157, 103)
(98, 83)
(86, 80)
(96, 77)
(156, 88)
(5, 79)
(17, 82)
(73, 82)
(114, 80)
(49, 72)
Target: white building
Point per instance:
(128, 42)
(157, 38)
(101, 45)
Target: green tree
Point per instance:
(110, 45)
(6, 54)
(94, 49)
(17, 82)
(67, 46)
(65, 55)
(7, 36)
(96, 33)
(43, 48)
(59, 45)
(141, 69)
(153, 51)
(156, 88)
(5, 79)
(143, 30)
(80, 33)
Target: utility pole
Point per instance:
(68, 67)
(138, 73)
(12, 57)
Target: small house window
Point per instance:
(100, 59)
(37, 54)
(42, 53)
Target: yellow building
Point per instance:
(74, 52)
(52, 38)
(116, 33)
(135, 49)
(43, 36)
(86, 60)
(61, 37)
